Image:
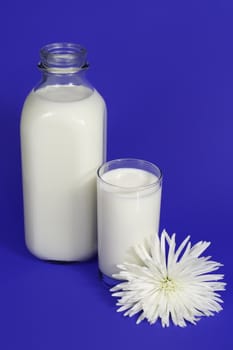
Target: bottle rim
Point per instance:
(59, 56)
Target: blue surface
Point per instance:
(165, 69)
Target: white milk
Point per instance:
(126, 215)
(62, 144)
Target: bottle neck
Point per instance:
(63, 63)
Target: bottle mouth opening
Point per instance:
(63, 55)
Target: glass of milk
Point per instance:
(129, 197)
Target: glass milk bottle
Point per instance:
(62, 145)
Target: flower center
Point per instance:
(167, 285)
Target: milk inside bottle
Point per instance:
(62, 145)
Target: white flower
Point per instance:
(168, 285)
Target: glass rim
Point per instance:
(135, 188)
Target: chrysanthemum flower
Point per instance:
(167, 284)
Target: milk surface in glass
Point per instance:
(128, 213)
(62, 133)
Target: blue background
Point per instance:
(165, 69)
